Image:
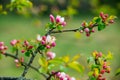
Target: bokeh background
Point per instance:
(27, 23)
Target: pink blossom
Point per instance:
(50, 55)
(13, 42)
(52, 19)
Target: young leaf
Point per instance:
(27, 53)
(56, 61)
(76, 57)
(76, 66)
(101, 26)
(117, 72)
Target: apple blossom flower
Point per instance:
(51, 55)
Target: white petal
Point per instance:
(62, 19)
(48, 39)
(39, 38)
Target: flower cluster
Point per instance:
(50, 55)
(3, 48)
(18, 62)
(47, 41)
(58, 21)
(106, 19)
(26, 46)
(63, 76)
(87, 28)
(100, 67)
(101, 22)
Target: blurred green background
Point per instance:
(17, 26)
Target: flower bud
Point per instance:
(81, 31)
(99, 54)
(58, 19)
(63, 23)
(30, 47)
(48, 46)
(52, 19)
(102, 71)
(53, 44)
(44, 38)
(111, 21)
(1, 47)
(22, 51)
(43, 42)
(13, 42)
(1, 43)
(86, 30)
(26, 43)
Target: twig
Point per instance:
(71, 30)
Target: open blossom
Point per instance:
(51, 55)
(48, 41)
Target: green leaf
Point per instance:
(59, 28)
(43, 70)
(43, 62)
(76, 57)
(101, 26)
(76, 66)
(27, 53)
(98, 20)
(14, 49)
(93, 78)
(117, 72)
(56, 61)
(42, 47)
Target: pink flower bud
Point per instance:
(111, 21)
(63, 23)
(44, 38)
(21, 59)
(48, 46)
(93, 30)
(26, 43)
(30, 47)
(1, 43)
(83, 24)
(99, 54)
(86, 30)
(81, 31)
(1, 47)
(87, 34)
(50, 55)
(58, 19)
(43, 42)
(52, 19)
(13, 42)
(22, 51)
(53, 44)
(16, 61)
